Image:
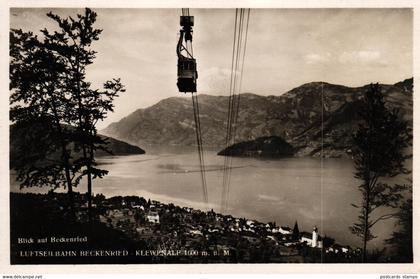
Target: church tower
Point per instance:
(315, 237)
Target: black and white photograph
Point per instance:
(210, 135)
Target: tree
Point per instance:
(402, 240)
(38, 110)
(296, 233)
(73, 44)
(379, 145)
(327, 241)
(49, 78)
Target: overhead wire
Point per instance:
(230, 103)
(238, 57)
(238, 96)
(236, 99)
(200, 147)
(232, 111)
(241, 73)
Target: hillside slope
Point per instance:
(20, 136)
(294, 116)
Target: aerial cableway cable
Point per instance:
(228, 126)
(200, 146)
(187, 76)
(238, 59)
(235, 105)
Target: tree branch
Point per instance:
(383, 217)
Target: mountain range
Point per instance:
(297, 116)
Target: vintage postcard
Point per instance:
(185, 135)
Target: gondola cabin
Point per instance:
(187, 74)
(187, 66)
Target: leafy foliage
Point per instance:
(49, 87)
(402, 240)
(379, 152)
(38, 105)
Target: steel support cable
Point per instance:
(238, 100)
(231, 112)
(203, 167)
(230, 105)
(184, 11)
(197, 135)
(227, 161)
(241, 72)
(232, 79)
(229, 109)
(239, 47)
(235, 121)
(199, 146)
(235, 104)
(235, 99)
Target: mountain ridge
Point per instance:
(294, 116)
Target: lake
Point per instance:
(280, 190)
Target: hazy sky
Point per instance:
(286, 48)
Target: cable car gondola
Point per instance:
(187, 83)
(187, 65)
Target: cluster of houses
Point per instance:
(170, 227)
(143, 218)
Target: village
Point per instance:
(168, 227)
(154, 232)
